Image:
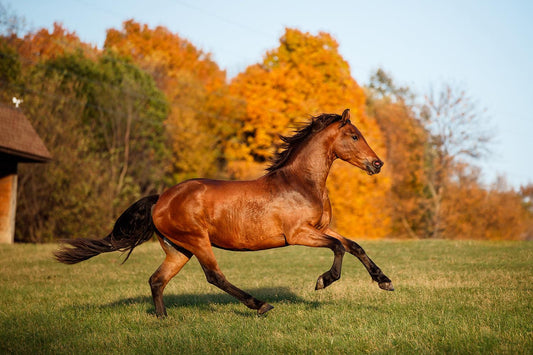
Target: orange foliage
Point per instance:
(43, 44)
(306, 76)
(405, 138)
(472, 212)
(196, 89)
(165, 55)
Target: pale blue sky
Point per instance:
(483, 46)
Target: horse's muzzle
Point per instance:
(374, 167)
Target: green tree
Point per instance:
(102, 119)
(124, 114)
(10, 71)
(70, 196)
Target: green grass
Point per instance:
(451, 297)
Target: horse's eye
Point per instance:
(355, 138)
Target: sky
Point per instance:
(482, 46)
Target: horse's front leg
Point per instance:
(311, 237)
(375, 272)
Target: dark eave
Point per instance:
(18, 139)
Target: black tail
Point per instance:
(132, 228)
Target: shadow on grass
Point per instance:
(206, 300)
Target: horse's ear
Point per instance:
(345, 116)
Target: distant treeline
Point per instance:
(150, 110)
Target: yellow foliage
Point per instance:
(360, 209)
(201, 108)
(306, 76)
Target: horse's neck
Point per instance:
(311, 165)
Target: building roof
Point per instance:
(18, 139)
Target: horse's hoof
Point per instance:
(264, 308)
(320, 284)
(387, 286)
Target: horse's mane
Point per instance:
(300, 135)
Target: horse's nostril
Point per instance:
(377, 163)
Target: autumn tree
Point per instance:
(306, 76)
(406, 140)
(458, 133)
(471, 211)
(43, 44)
(383, 87)
(436, 190)
(201, 117)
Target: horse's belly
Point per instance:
(238, 235)
(242, 245)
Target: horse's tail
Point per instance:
(132, 228)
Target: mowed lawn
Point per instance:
(451, 297)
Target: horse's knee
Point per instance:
(155, 282)
(337, 247)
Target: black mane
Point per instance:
(317, 124)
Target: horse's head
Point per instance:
(351, 146)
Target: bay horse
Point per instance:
(287, 206)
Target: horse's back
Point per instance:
(238, 215)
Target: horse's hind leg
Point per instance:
(215, 277)
(175, 259)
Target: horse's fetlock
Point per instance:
(253, 303)
(335, 275)
(383, 278)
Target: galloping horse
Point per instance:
(287, 206)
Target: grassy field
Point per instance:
(451, 297)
